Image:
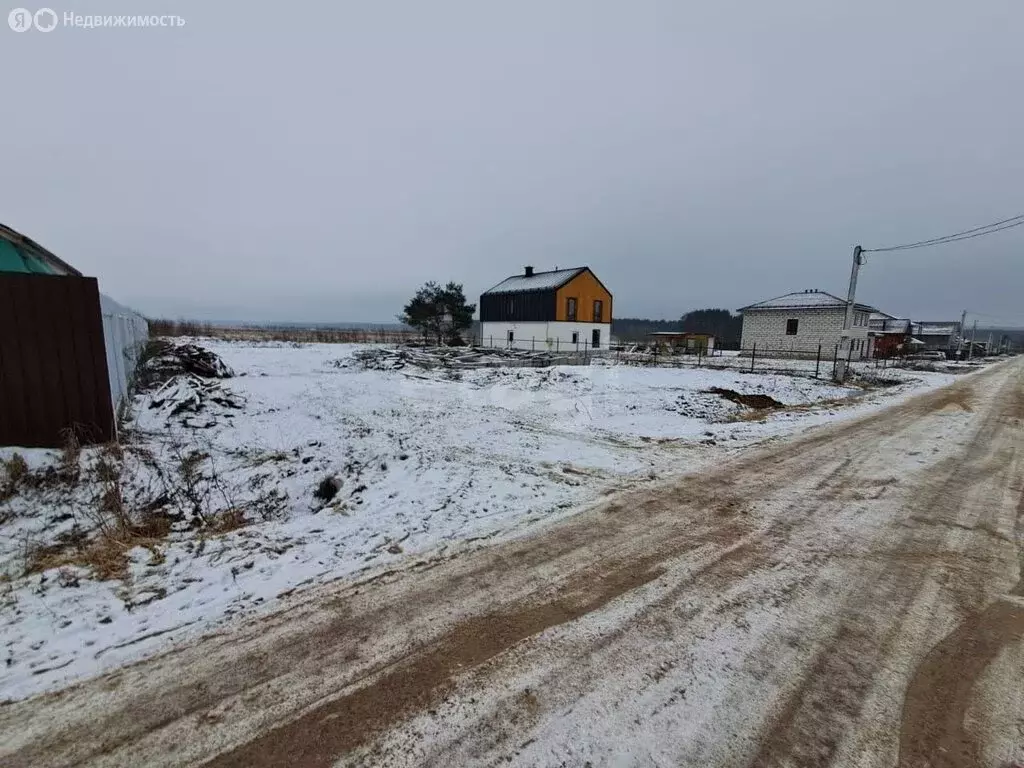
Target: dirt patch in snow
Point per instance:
(760, 402)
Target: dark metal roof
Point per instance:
(538, 281)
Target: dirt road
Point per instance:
(850, 597)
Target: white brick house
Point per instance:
(799, 322)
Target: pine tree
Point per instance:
(441, 314)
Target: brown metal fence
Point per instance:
(53, 370)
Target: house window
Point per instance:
(791, 325)
(575, 338)
(570, 310)
(598, 310)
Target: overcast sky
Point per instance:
(320, 160)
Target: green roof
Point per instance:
(15, 259)
(24, 255)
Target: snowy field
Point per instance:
(306, 468)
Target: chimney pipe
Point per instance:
(529, 271)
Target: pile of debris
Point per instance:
(181, 382)
(188, 395)
(397, 358)
(164, 360)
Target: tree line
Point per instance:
(721, 323)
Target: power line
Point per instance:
(967, 234)
(947, 241)
(998, 318)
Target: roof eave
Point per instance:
(31, 245)
(492, 292)
(574, 273)
(857, 307)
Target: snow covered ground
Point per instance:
(423, 464)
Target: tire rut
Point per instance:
(818, 714)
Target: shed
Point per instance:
(690, 342)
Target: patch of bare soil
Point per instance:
(756, 401)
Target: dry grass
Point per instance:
(163, 327)
(71, 452)
(229, 520)
(115, 530)
(15, 470)
(105, 554)
(272, 456)
(111, 516)
(750, 414)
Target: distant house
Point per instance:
(560, 309)
(891, 335)
(941, 335)
(687, 342)
(801, 321)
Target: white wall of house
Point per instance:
(767, 329)
(552, 336)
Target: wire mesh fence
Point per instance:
(821, 362)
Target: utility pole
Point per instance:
(858, 259)
(960, 336)
(974, 332)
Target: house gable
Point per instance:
(585, 288)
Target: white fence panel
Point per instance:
(124, 334)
